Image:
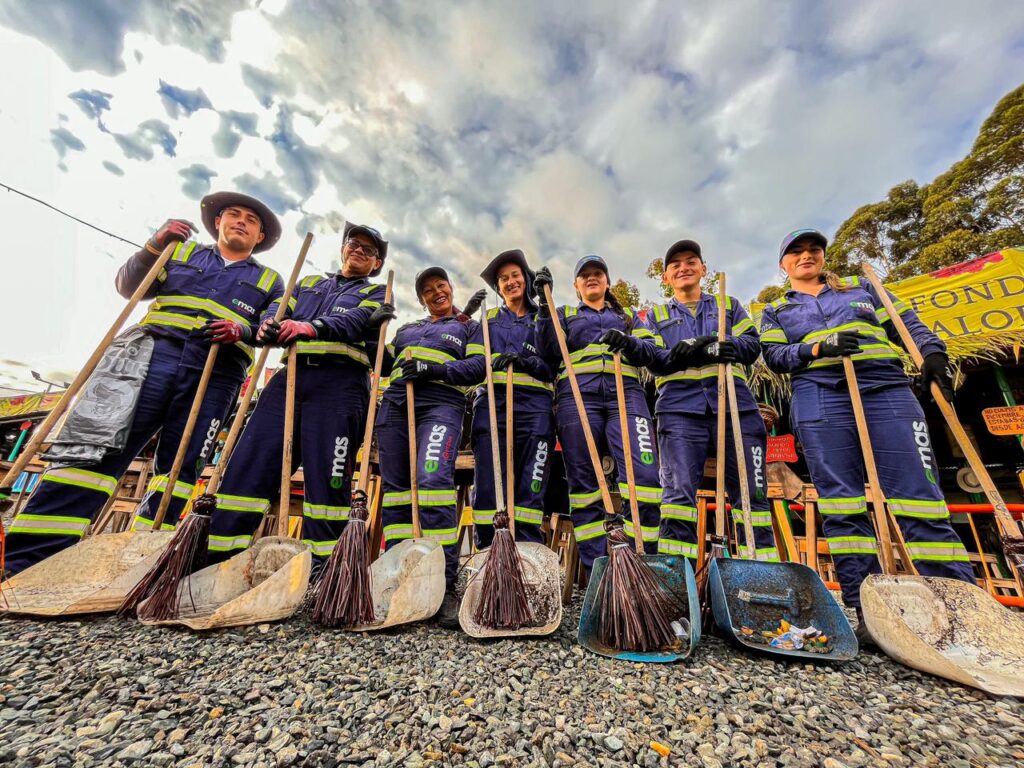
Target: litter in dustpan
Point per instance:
(752, 601)
(264, 583)
(677, 573)
(93, 576)
(947, 628)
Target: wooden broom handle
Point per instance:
(720, 448)
(414, 485)
(43, 430)
(254, 374)
(371, 416)
(492, 417)
(595, 460)
(284, 500)
(627, 455)
(186, 437)
(877, 496)
(1007, 525)
(510, 486)
(741, 462)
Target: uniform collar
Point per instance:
(584, 305)
(790, 292)
(250, 260)
(340, 278)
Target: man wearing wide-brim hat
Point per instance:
(206, 294)
(333, 322)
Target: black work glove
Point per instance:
(690, 353)
(935, 368)
(841, 344)
(380, 314)
(505, 359)
(542, 278)
(266, 336)
(618, 341)
(473, 305)
(418, 370)
(722, 351)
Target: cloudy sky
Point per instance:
(462, 129)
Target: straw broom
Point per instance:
(635, 607)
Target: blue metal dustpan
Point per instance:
(678, 575)
(747, 593)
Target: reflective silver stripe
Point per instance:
(484, 516)
(852, 506)
(588, 531)
(443, 536)
(678, 512)
(921, 509)
(141, 523)
(320, 548)
(49, 524)
(528, 515)
(225, 543)
(82, 478)
(937, 550)
(852, 545)
(229, 503)
(398, 531)
(676, 547)
(650, 533)
(181, 490)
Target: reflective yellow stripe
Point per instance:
(774, 336)
(183, 251)
(187, 322)
(676, 547)
(182, 490)
(742, 326)
(484, 516)
(578, 500)
(699, 374)
(321, 548)
(398, 531)
(938, 551)
(758, 518)
(141, 523)
(228, 503)
(588, 531)
(446, 537)
(226, 543)
(325, 512)
(529, 515)
(851, 505)
(852, 545)
(920, 509)
(522, 380)
(397, 498)
(437, 498)
(199, 305)
(267, 279)
(332, 348)
(49, 525)
(860, 327)
(678, 512)
(644, 494)
(601, 366)
(868, 352)
(82, 478)
(767, 555)
(650, 533)
(429, 355)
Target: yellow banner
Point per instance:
(974, 307)
(23, 405)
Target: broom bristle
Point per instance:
(344, 596)
(184, 555)
(503, 600)
(635, 607)
(1013, 548)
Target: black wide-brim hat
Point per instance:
(213, 204)
(517, 257)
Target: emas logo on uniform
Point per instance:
(453, 339)
(433, 451)
(865, 305)
(924, 449)
(340, 462)
(643, 440)
(539, 460)
(242, 305)
(757, 459)
(211, 437)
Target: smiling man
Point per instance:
(207, 294)
(333, 323)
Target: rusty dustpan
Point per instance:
(947, 628)
(543, 588)
(94, 576)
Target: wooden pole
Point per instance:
(741, 463)
(43, 430)
(284, 501)
(627, 455)
(581, 410)
(186, 437)
(414, 485)
(371, 416)
(254, 374)
(1004, 520)
(720, 452)
(492, 417)
(510, 433)
(878, 506)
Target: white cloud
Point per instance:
(463, 129)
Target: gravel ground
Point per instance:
(104, 691)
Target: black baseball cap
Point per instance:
(800, 234)
(428, 273)
(586, 261)
(682, 246)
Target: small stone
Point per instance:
(613, 743)
(287, 756)
(136, 751)
(216, 712)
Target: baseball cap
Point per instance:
(799, 234)
(682, 246)
(587, 261)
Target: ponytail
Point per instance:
(833, 281)
(617, 308)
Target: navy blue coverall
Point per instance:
(440, 406)
(533, 426)
(822, 416)
(687, 409)
(197, 285)
(332, 390)
(595, 371)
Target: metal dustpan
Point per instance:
(678, 575)
(947, 628)
(747, 593)
(543, 589)
(93, 576)
(408, 584)
(264, 583)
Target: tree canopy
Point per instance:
(974, 208)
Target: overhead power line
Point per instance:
(68, 215)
